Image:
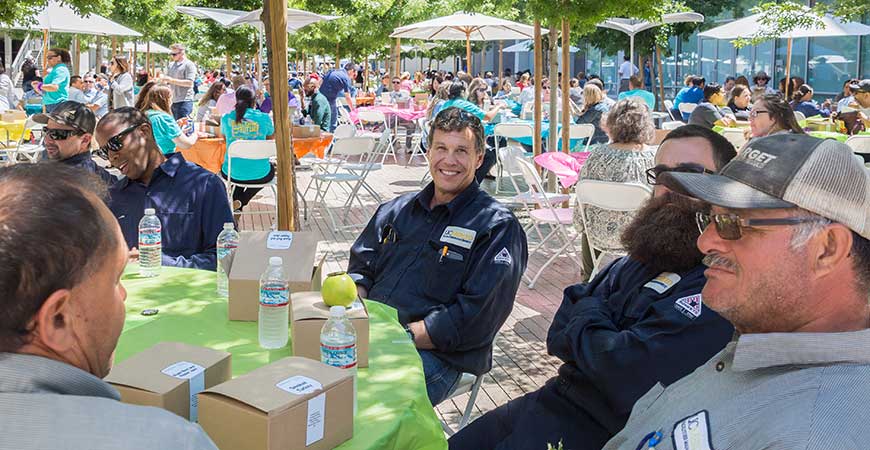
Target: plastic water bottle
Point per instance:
(338, 344)
(227, 242)
(150, 244)
(274, 305)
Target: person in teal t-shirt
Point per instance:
(167, 133)
(54, 86)
(253, 125)
(636, 91)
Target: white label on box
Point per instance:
(195, 374)
(299, 385)
(279, 240)
(316, 415)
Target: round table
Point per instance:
(393, 407)
(209, 153)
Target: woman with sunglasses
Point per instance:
(456, 98)
(802, 101)
(771, 115)
(209, 100)
(157, 105)
(246, 122)
(121, 87)
(54, 87)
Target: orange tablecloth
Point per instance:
(365, 101)
(209, 152)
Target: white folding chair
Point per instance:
(468, 383)
(860, 145)
(672, 125)
(351, 181)
(610, 196)
(735, 137)
(416, 144)
(506, 131)
(369, 164)
(669, 106)
(799, 116)
(251, 149)
(528, 198)
(378, 118)
(528, 111)
(344, 116)
(559, 219)
(582, 131)
(687, 108)
(21, 148)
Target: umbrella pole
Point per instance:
(135, 53)
(260, 58)
(788, 69)
(500, 63)
(148, 57)
(539, 72)
(566, 107)
(468, 52)
(44, 50)
(631, 52)
(661, 77)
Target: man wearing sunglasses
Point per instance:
(639, 322)
(786, 242)
(180, 77)
(69, 130)
(190, 201)
(94, 98)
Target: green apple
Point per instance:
(338, 289)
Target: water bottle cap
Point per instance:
(229, 226)
(149, 211)
(276, 261)
(336, 311)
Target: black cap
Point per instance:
(70, 113)
(861, 86)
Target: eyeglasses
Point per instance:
(754, 113)
(653, 173)
(116, 142)
(396, 82)
(481, 89)
(89, 81)
(730, 226)
(174, 54)
(57, 134)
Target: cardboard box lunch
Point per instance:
(293, 403)
(169, 375)
(12, 115)
(306, 131)
(251, 259)
(308, 313)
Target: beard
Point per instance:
(664, 234)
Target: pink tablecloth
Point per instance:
(566, 167)
(391, 110)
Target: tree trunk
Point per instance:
(539, 73)
(661, 80)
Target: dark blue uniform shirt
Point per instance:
(334, 83)
(464, 295)
(85, 161)
(619, 336)
(191, 203)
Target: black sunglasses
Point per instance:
(116, 142)
(174, 54)
(653, 173)
(730, 226)
(56, 134)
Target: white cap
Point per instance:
(229, 226)
(150, 211)
(276, 261)
(336, 311)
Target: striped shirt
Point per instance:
(770, 391)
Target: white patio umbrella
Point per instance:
(62, 19)
(526, 46)
(153, 47)
(750, 25)
(465, 26)
(633, 26)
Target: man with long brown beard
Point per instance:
(639, 322)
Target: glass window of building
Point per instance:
(688, 58)
(798, 59)
(763, 59)
(833, 60)
(724, 67)
(708, 59)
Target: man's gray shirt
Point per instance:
(182, 70)
(763, 391)
(47, 404)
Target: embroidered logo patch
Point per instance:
(663, 282)
(690, 306)
(503, 257)
(693, 433)
(462, 237)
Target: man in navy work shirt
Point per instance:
(335, 82)
(190, 201)
(68, 133)
(449, 258)
(639, 322)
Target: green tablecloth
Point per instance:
(393, 408)
(819, 134)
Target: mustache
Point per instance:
(717, 260)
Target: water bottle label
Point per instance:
(226, 249)
(341, 356)
(274, 296)
(149, 238)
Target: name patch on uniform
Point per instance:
(693, 433)
(462, 237)
(503, 257)
(690, 306)
(663, 282)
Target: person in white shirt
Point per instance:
(626, 71)
(7, 90)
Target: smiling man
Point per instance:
(449, 258)
(788, 253)
(190, 201)
(68, 134)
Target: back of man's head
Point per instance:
(596, 82)
(698, 81)
(56, 234)
(723, 151)
(635, 82)
(350, 66)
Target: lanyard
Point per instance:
(651, 439)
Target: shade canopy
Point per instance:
(222, 16)
(633, 26)
(296, 18)
(58, 18)
(143, 46)
(527, 46)
(463, 26)
(750, 26)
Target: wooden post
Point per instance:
(468, 52)
(148, 57)
(44, 51)
(398, 71)
(98, 61)
(114, 46)
(500, 64)
(76, 59)
(274, 18)
(788, 70)
(661, 79)
(553, 133)
(539, 73)
(133, 64)
(566, 107)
